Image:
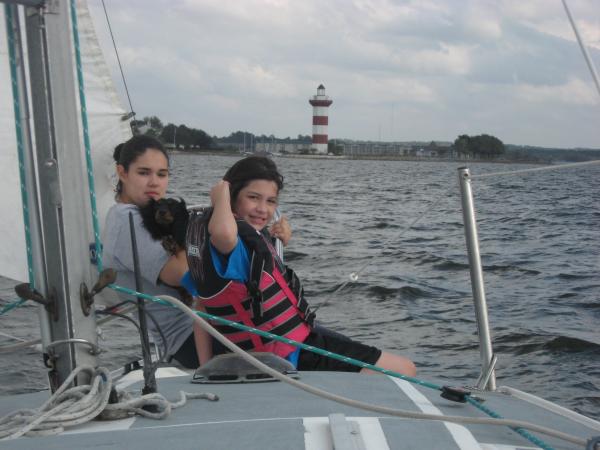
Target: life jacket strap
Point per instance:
(257, 265)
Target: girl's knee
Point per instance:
(397, 363)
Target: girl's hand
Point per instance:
(219, 193)
(281, 230)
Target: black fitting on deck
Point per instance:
(455, 394)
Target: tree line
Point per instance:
(179, 136)
(182, 136)
(482, 146)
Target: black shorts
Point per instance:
(187, 355)
(346, 347)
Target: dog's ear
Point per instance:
(149, 220)
(147, 211)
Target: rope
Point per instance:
(80, 404)
(530, 437)
(8, 12)
(128, 405)
(167, 301)
(66, 407)
(11, 306)
(86, 137)
(196, 315)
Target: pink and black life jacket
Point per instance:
(271, 300)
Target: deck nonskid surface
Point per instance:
(276, 415)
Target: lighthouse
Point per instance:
(320, 104)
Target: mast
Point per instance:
(63, 195)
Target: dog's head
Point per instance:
(165, 217)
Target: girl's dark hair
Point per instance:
(127, 152)
(249, 169)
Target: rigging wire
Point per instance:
(582, 46)
(353, 277)
(118, 59)
(537, 169)
(161, 355)
(33, 342)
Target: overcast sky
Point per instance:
(396, 70)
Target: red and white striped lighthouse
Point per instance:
(320, 103)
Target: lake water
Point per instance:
(540, 248)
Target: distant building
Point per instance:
(320, 104)
(409, 149)
(282, 147)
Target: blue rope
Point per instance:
(526, 434)
(275, 337)
(86, 137)
(19, 132)
(10, 306)
(346, 359)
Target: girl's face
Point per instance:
(147, 177)
(256, 203)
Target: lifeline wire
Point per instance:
(537, 169)
(515, 425)
(354, 275)
(32, 342)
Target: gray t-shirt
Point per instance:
(117, 254)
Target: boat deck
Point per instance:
(275, 415)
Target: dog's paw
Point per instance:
(170, 245)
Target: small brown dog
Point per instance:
(167, 220)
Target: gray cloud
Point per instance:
(414, 70)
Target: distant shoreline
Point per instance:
(359, 157)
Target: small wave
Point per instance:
(571, 345)
(567, 295)
(591, 305)
(509, 268)
(450, 265)
(407, 292)
(381, 226)
(523, 343)
(291, 255)
(571, 276)
(418, 240)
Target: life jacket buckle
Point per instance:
(257, 299)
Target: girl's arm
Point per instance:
(202, 339)
(174, 269)
(222, 227)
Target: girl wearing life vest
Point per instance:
(236, 274)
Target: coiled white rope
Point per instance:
(80, 404)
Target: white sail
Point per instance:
(106, 128)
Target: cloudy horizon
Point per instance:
(396, 71)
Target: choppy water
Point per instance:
(540, 247)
